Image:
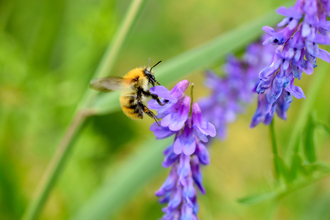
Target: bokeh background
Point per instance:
(48, 53)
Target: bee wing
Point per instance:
(110, 83)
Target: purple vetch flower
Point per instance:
(184, 119)
(231, 92)
(297, 50)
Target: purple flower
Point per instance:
(305, 26)
(175, 97)
(176, 119)
(232, 92)
(186, 155)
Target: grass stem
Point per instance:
(57, 162)
(274, 149)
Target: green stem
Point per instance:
(281, 192)
(274, 149)
(57, 162)
(53, 169)
(301, 120)
(192, 96)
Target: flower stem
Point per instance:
(57, 162)
(191, 96)
(274, 149)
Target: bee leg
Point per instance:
(148, 112)
(154, 96)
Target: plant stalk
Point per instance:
(274, 149)
(54, 167)
(57, 162)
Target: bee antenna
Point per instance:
(148, 63)
(155, 65)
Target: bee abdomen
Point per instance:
(130, 107)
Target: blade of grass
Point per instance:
(197, 58)
(309, 145)
(134, 173)
(275, 151)
(53, 169)
(58, 160)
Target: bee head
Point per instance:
(150, 76)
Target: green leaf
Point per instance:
(319, 165)
(197, 58)
(296, 165)
(258, 198)
(309, 146)
(134, 173)
(325, 126)
(283, 169)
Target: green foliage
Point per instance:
(258, 198)
(297, 166)
(283, 169)
(326, 127)
(312, 169)
(309, 146)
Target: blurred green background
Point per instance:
(49, 51)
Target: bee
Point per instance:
(135, 89)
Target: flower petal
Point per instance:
(268, 30)
(189, 192)
(196, 173)
(199, 123)
(290, 12)
(176, 199)
(184, 169)
(202, 154)
(296, 91)
(163, 92)
(170, 158)
(178, 146)
(324, 55)
(189, 148)
(176, 120)
(160, 132)
(179, 89)
(186, 212)
(168, 185)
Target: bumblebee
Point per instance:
(135, 89)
